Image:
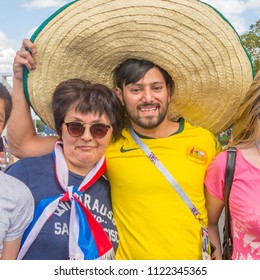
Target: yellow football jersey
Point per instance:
(153, 221)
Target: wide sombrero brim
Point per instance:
(189, 39)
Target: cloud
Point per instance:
(253, 4)
(4, 42)
(234, 9)
(234, 6)
(39, 4)
(6, 60)
(7, 54)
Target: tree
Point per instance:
(40, 126)
(251, 41)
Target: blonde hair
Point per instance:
(246, 128)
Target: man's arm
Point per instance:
(22, 138)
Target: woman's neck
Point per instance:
(252, 155)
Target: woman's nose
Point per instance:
(86, 136)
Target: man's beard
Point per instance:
(149, 122)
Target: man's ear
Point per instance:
(119, 94)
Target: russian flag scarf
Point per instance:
(87, 238)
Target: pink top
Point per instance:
(244, 203)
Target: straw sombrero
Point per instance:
(189, 39)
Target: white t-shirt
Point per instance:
(16, 208)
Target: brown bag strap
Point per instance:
(230, 170)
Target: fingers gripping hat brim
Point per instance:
(189, 39)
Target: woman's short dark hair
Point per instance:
(5, 95)
(132, 70)
(87, 98)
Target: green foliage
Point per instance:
(224, 137)
(40, 126)
(251, 41)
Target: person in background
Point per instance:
(2, 154)
(7, 158)
(244, 197)
(73, 218)
(16, 201)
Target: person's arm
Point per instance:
(11, 249)
(22, 138)
(214, 208)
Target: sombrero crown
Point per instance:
(193, 42)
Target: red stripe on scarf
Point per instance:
(101, 239)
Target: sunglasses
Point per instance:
(97, 130)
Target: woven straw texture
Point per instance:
(189, 39)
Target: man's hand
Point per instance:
(24, 57)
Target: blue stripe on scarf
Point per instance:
(86, 241)
(37, 213)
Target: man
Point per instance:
(16, 201)
(154, 219)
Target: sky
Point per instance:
(19, 18)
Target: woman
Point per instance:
(16, 201)
(244, 202)
(73, 218)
